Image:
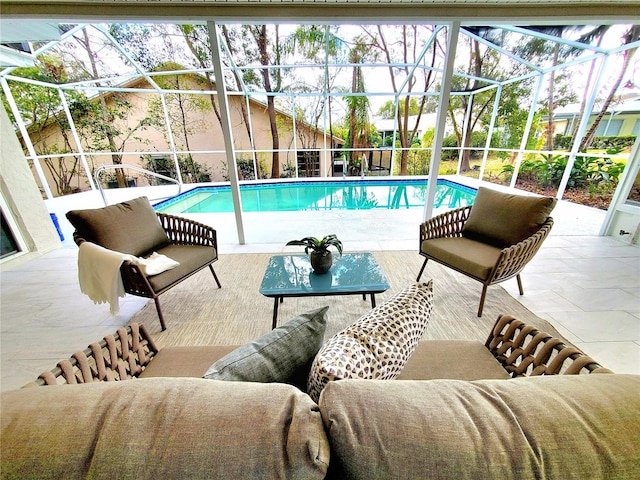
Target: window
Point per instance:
(609, 128)
(309, 163)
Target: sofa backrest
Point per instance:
(162, 428)
(574, 426)
(130, 227)
(504, 219)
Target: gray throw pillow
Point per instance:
(276, 356)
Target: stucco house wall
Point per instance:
(21, 197)
(204, 137)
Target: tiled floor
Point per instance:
(587, 286)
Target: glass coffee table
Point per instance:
(350, 274)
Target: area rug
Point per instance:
(199, 313)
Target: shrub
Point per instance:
(449, 148)
(591, 172)
(601, 143)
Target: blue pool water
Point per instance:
(320, 195)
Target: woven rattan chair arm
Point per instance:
(513, 259)
(525, 351)
(183, 231)
(127, 354)
(447, 224)
(134, 281)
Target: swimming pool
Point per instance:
(319, 195)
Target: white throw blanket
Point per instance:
(99, 272)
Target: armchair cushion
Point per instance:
(190, 257)
(504, 219)
(475, 258)
(128, 227)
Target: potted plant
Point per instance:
(321, 258)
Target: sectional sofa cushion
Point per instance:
(152, 428)
(504, 219)
(453, 359)
(379, 344)
(128, 227)
(183, 361)
(571, 426)
(277, 355)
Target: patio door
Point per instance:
(8, 243)
(11, 240)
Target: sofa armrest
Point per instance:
(447, 224)
(525, 351)
(183, 231)
(116, 357)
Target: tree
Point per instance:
(41, 109)
(388, 109)
(541, 50)
(357, 109)
(100, 121)
(261, 44)
(110, 117)
(185, 111)
(317, 44)
(401, 47)
(632, 35)
(482, 62)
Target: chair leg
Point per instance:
(484, 294)
(160, 316)
(520, 284)
(215, 276)
(422, 269)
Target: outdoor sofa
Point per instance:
(454, 410)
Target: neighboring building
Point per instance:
(621, 120)
(386, 127)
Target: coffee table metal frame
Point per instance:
(291, 276)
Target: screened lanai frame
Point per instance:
(446, 72)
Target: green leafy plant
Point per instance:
(312, 243)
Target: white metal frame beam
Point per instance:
(443, 106)
(223, 103)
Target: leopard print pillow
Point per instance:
(379, 344)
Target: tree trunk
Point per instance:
(550, 99)
(104, 112)
(632, 35)
(243, 106)
(271, 108)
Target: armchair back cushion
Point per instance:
(129, 227)
(503, 219)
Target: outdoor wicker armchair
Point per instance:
(490, 241)
(134, 228)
